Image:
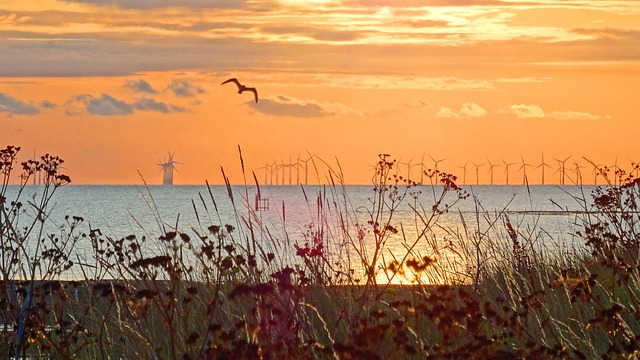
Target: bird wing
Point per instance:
(254, 91)
(233, 80)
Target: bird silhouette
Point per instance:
(242, 88)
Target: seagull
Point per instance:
(242, 88)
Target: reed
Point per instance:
(338, 288)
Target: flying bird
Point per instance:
(242, 88)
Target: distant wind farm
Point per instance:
(567, 170)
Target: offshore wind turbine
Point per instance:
(523, 167)
(408, 163)
(266, 168)
(478, 166)
(422, 167)
(597, 170)
(561, 168)
(635, 167)
(615, 168)
(276, 170)
(167, 167)
(577, 171)
(306, 169)
(436, 162)
(272, 170)
(506, 169)
(490, 171)
(464, 173)
(297, 165)
(290, 166)
(542, 166)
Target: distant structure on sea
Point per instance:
(167, 168)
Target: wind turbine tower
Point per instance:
(561, 169)
(478, 166)
(167, 169)
(436, 162)
(409, 166)
(542, 166)
(523, 167)
(464, 173)
(491, 166)
(422, 167)
(506, 170)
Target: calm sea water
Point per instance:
(122, 210)
(546, 213)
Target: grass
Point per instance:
(252, 290)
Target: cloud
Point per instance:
(419, 24)
(146, 4)
(48, 105)
(401, 108)
(536, 112)
(140, 86)
(282, 105)
(469, 110)
(184, 88)
(148, 104)
(527, 111)
(77, 104)
(418, 3)
(525, 80)
(573, 115)
(312, 32)
(14, 106)
(107, 105)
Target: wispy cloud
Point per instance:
(317, 33)
(141, 4)
(402, 108)
(382, 81)
(13, 106)
(469, 110)
(184, 88)
(107, 105)
(573, 115)
(523, 111)
(230, 33)
(282, 105)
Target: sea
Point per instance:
(548, 216)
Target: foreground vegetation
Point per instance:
(247, 290)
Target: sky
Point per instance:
(114, 86)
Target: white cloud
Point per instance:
(527, 111)
(536, 112)
(573, 115)
(469, 110)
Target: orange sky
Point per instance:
(112, 86)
